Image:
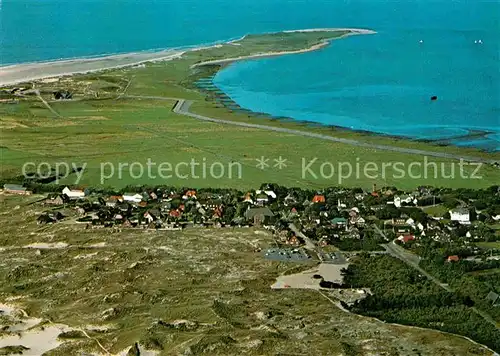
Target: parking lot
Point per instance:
(287, 254)
(334, 258)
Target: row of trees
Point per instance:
(401, 295)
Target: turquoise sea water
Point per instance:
(380, 83)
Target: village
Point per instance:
(324, 221)
(369, 252)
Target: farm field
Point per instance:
(102, 134)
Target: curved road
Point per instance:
(182, 108)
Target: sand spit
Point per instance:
(19, 73)
(353, 32)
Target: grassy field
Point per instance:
(437, 210)
(489, 245)
(198, 291)
(99, 128)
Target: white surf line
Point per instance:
(24, 72)
(20, 73)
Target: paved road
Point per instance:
(412, 260)
(182, 108)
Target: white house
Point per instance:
(461, 215)
(134, 198)
(73, 193)
(269, 193)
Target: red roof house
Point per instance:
(319, 199)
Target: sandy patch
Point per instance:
(97, 245)
(37, 340)
(24, 331)
(304, 280)
(50, 80)
(44, 245)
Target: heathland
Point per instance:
(124, 116)
(196, 291)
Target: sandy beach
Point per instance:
(31, 71)
(23, 72)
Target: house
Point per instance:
(175, 213)
(151, 216)
(218, 212)
(338, 221)
(189, 194)
(293, 240)
(359, 220)
(260, 216)
(318, 199)
(73, 193)
(16, 189)
(398, 222)
(57, 200)
(406, 238)
(113, 200)
(461, 215)
(62, 95)
(359, 196)
(269, 193)
(261, 198)
(404, 199)
(353, 233)
(290, 200)
(131, 197)
(45, 219)
(248, 198)
(293, 213)
(453, 258)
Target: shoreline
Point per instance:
(439, 142)
(24, 72)
(318, 46)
